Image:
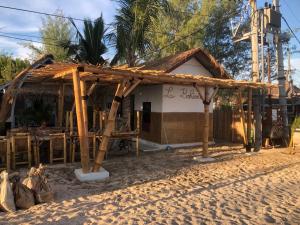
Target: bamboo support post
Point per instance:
(100, 121)
(84, 97)
(71, 122)
(249, 120)
(29, 150)
(80, 122)
(242, 117)
(61, 97)
(206, 99)
(8, 155)
(206, 123)
(94, 119)
(65, 148)
(51, 152)
(13, 152)
(109, 127)
(67, 123)
(138, 133)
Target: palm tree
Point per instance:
(132, 22)
(91, 46)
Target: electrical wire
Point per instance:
(31, 36)
(38, 12)
(24, 39)
(291, 30)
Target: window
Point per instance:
(146, 121)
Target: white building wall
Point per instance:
(174, 98)
(149, 93)
(179, 98)
(193, 67)
(182, 99)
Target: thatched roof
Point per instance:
(16, 83)
(169, 63)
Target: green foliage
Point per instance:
(203, 24)
(295, 124)
(54, 32)
(133, 20)
(91, 46)
(9, 67)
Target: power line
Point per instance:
(41, 13)
(291, 29)
(31, 36)
(24, 39)
(47, 14)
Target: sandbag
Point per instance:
(32, 181)
(7, 202)
(24, 197)
(45, 194)
(37, 182)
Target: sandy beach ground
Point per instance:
(169, 187)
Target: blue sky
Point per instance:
(27, 23)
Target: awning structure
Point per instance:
(126, 79)
(117, 74)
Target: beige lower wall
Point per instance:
(177, 128)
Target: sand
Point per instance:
(171, 188)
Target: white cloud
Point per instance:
(12, 21)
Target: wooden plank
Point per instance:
(109, 127)
(80, 122)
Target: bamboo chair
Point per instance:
(5, 153)
(21, 149)
(58, 140)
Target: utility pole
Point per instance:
(255, 75)
(281, 78)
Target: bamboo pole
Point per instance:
(67, 123)
(61, 96)
(100, 121)
(138, 133)
(109, 127)
(80, 122)
(94, 119)
(8, 155)
(242, 117)
(206, 103)
(84, 97)
(71, 122)
(249, 120)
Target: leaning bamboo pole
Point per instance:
(80, 122)
(109, 127)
